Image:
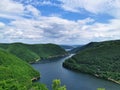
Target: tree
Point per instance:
(56, 85)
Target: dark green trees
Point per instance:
(15, 74)
(34, 52)
(101, 59)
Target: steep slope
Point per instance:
(101, 59)
(33, 52)
(15, 74)
(20, 50)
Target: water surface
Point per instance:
(74, 81)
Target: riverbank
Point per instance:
(74, 81)
(92, 74)
(49, 58)
(35, 79)
(109, 79)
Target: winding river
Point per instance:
(74, 81)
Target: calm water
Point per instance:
(73, 81)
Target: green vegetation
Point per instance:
(101, 59)
(47, 50)
(15, 74)
(100, 88)
(56, 85)
(34, 52)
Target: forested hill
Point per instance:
(15, 74)
(93, 45)
(101, 59)
(33, 52)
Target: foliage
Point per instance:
(15, 74)
(101, 59)
(56, 85)
(32, 52)
(47, 50)
(39, 86)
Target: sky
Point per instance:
(59, 21)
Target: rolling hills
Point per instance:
(15, 74)
(101, 59)
(33, 52)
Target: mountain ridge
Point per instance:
(101, 59)
(32, 52)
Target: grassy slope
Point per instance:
(31, 53)
(101, 59)
(16, 74)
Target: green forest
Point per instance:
(101, 59)
(15, 71)
(34, 52)
(15, 74)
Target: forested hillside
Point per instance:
(15, 74)
(101, 59)
(33, 52)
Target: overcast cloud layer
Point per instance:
(23, 22)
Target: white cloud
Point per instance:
(24, 29)
(2, 25)
(55, 29)
(32, 10)
(110, 7)
(14, 10)
(38, 2)
(10, 7)
(47, 3)
(58, 30)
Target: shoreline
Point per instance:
(35, 79)
(39, 60)
(94, 75)
(108, 79)
(48, 58)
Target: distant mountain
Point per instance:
(70, 48)
(76, 49)
(33, 52)
(15, 74)
(67, 46)
(101, 59)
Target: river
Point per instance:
(74, 81)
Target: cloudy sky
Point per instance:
(59, 21)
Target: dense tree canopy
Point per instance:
(34, 52)
(16, 74)
(101, 59)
